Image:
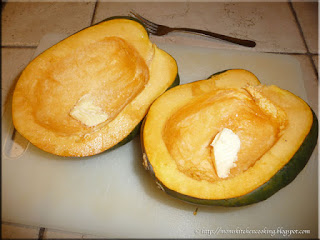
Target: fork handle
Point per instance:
(239, 41)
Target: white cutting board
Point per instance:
(111, 195)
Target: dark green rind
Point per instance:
(278, 181)
(122, 17)
(125, 17)
(281, 179)
(176, 82)
(106, 19)
(217, 73)
(137, 129)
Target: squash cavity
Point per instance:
(184, 125)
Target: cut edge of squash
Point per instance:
(165, 169)
(124, 123)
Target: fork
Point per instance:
(160, 30)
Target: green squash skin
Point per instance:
(217, 73)
(176, 82)
(123, 17)
(137, 129)
(278, 181)
(281, 179)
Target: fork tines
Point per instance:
(152, 27)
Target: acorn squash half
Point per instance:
(277, 132)
(90, 92)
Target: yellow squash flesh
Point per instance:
(271, 123)
(87, 93)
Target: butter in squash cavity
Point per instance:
(87, 112)
(189, 132)
(110, 71)
(277, 130)
(89, 92)
(226, 146)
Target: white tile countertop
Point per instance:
(278, 27)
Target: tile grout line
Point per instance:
(94, 12)
(42, 229)
(288, 53)
(20, 225)
(41, 233)
(282, 53)
(19, 46)
(309, 54)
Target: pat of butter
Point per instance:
(87, 113)
(226, 146)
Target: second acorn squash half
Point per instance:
(89, 92)
(277, 131)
